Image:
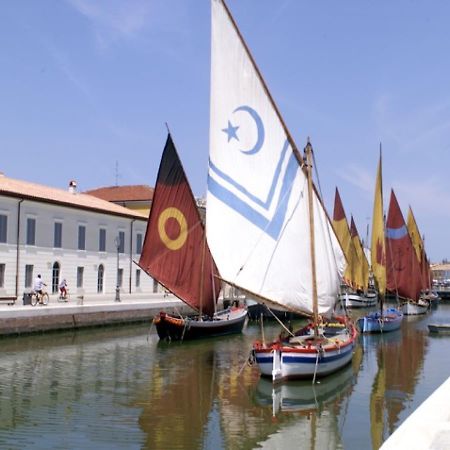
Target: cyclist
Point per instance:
(38, 288)
(63, 288)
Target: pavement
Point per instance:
(428, 427)
(87, 310)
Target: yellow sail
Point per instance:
(342, 231)
(378, 247)
(362, 272)
(413, 231)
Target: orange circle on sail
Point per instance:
(174, 213)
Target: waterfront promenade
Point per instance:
(80, 312)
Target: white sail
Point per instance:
(257, 202)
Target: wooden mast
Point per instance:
(308, 151)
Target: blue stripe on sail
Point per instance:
(273, 226)
(264, 203)
(396, 233)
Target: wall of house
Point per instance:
(43, 255)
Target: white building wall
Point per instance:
(43, 255)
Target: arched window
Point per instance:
(101, 272)
(55, 277)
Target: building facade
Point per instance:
(58, 234)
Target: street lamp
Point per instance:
(117, 242)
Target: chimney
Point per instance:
(72, 186)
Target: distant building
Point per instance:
(66, 234)
(441, 274)
(134, 197)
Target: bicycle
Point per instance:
(62, 297)
(39, 298)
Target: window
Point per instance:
(55, 278)
(138, 278)
(81, 237)
(120, 277)
(100, 275)
(28, 275)
(31, 231)
(80, 271)
(121, 241)
(2, 275)
(102, 240)
(57, 235)
(138, 243)
(3, 227)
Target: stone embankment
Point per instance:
(85, 311)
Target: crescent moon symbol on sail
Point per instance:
(259, 126)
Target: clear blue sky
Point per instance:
(84, 84)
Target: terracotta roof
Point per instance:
(37, 192)
(132, 193)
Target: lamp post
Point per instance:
(117, 242)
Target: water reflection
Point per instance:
(400, 356)
(117, 388)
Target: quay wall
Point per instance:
(28, 319)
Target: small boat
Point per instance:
(308, 354)
(176, 254)
(383, 321)
(256, 310)
(353, 299)
(441, 328)
(227, 321)
(410, 308)
(356, 292)
(270, 234)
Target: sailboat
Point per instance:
(176, 254)
(266, 223)
(389, 319)
(402, 266)
(427, 293)
(356, 276)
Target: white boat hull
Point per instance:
(412, 308)
(352, 300)
(280, 362)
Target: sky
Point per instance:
(87, 87)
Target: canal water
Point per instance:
(120, 388)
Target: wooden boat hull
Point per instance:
(229, 321)
(306, 359)
(255, 310)
(352, 300)
(442, 328)
(415, 308)
(391, 320)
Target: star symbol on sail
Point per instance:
(231, 131)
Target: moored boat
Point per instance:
(383, 321)
(227, 321)
(358, 300)
(306, 355)
(269, 233)
(441, 328)
(176, 254)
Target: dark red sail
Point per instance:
(402, 267)
(175, 251)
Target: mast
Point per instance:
(308, 151)
(202, 267)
